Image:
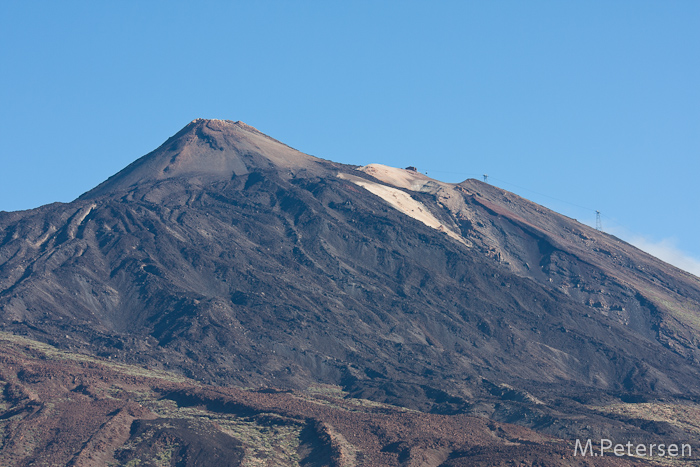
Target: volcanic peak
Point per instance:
(221, 125)
(207, 150)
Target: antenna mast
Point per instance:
(598, 223)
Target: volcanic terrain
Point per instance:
(229, 297)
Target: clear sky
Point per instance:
(577, 105)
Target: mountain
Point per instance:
(207, 151)
(231, 259)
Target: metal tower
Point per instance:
(598, 223)
(486, 178)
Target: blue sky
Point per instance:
(576, 105)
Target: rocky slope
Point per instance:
(61, 408)
(228, 257)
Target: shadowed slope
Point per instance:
(232, 258)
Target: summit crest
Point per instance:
(203, 151)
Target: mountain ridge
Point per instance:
(248, 263)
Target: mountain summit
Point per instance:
(229, 257)
(206, 151)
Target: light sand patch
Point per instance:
(446, 193)
(403, 202)
(41, 240)
(79, 218)
(84, 214)
(402, 178)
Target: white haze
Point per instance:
(667, 250)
